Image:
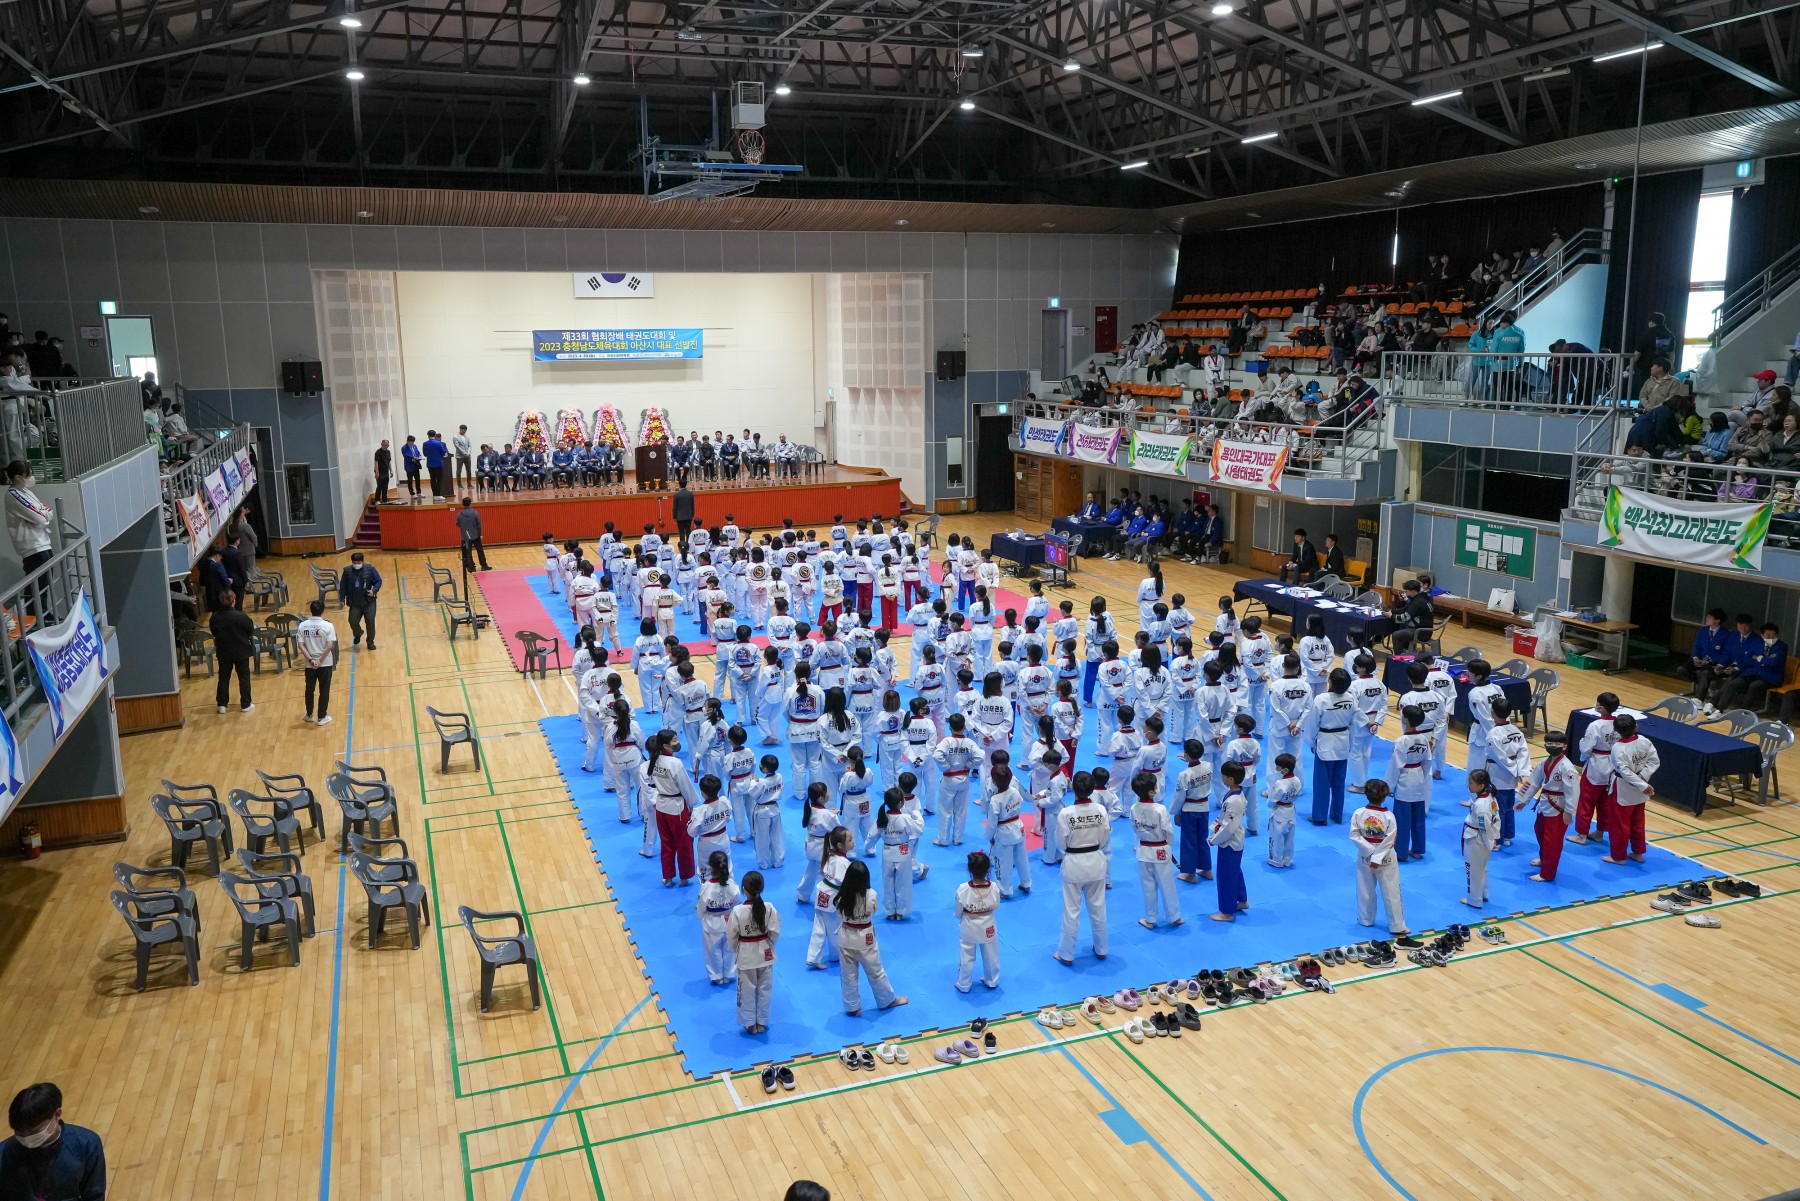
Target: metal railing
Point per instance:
(1565, 384)
(187, 477)
(1587, 246)
(45, 595)
(1757, 294)
(67, 433)
(1331, 449)
(1690, 478)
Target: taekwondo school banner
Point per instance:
(1094, 443)
(217, 494)
(1044, 437)
(1685, 531)
(613, 285)
(233, 481)
(71, 662)
(600, 345)
(246, 469)
(10, 784)
(1254, 465)
(1164, 454)
(193, 515)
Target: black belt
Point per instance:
(1080, 850)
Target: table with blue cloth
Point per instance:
(1691, 756)
(1026, 550)
(1339, 619)
(1517, 691)
(1094, 534)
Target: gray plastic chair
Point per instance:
(454, 728)
(288, 626)
(293, 789)
(158, 890)
(1771, 738)
(1738, 722)
(1684, 709)
(380, 848)
(279, 823)
(327, 584)
(1370, 599)
(194, 645)
(271, 643)
(499, 950)
(456, 614)
(1544, 681)
(1516, 668)
(190, 822)
(150, 930)
(538, 651)
(391, 884)
(443, 584)
(1464, 654)
(364, 806)
(1338, 590)
(259, 916)
(279, 875)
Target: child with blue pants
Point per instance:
(1193, 809)
(1227, 837)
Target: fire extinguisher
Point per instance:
(31, 843)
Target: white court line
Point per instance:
(732, 1089)
(539, 695)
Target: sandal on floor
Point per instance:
(1706, 921)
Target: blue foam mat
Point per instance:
(1293, 911)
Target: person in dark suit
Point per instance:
(684, 509)
(1334, 557)
(1412, 610)
(234, 641)
(215, 579)
(1303, 564)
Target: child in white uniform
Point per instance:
(976, 902)
(709, 823)
(1409, 779)
(553, 573)
(1156, 867)
(1370, 695)
(1372, 830)
(857, 904)
(751, 931)
(764, 796)
(1481, 834)
(823, 948)
(1006, 830)
(1086, 829)
(899, 831)
(1284, 792)
(718, 897)
(1482, 695)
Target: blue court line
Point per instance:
(1117, 1119)
(1669, 992)
(1362, 1138)
(537, 1144)
(337, 967)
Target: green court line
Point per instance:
(469, 708)
(1664, 1025)
(437, 907)
(598, 1105)
(1204, 1124)
(587, 1146)
(512, 868)
(468, 1174)
(593, 1071)
(577, 905)
(551, 1047)
(405, 642)
(1748, 846)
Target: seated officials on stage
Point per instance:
(706, 457)
(612, 464)
(1334, 557)
(1303, 564)
(729, 455)
(787, 455)
(588, 461)
(511, 467)
(1091, 511)
(534, 465)
(563, 464)
(681, 457)
(487, 468)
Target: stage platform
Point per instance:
(583, 512)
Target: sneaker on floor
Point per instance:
(247, 708)
(325, 721)
(768, 1080)
(309, 719)
(224, 709)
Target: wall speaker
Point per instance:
(302, 377)
(952, 364)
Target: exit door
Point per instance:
(1054, 361)
(132, 343)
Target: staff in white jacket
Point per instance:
(751, 931)
(27, 518)
(1635, 762)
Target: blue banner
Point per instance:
(587, 345)
(71, 663)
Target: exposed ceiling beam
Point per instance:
(68, 99)
(1040, 131)
(1712, 58)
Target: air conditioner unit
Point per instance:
(747, 106)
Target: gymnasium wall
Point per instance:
(229, 301)
(465, 348)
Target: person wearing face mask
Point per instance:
(27, 518)
(1761, 664)
(47, 1159)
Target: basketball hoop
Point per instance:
(751, 147)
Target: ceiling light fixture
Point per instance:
(1587, 166)
(1616, 54)
(972, 52)
(349, 21)
(1071, 65)
(967, 106)
(1395, 194)
(364, 213)
(1546, 73)
(1049, 225)
(1221, 10)
(1197, 151)
(687, 33)
(559, 218)
(782, 89)
(581, 79)
(902, 221)
(1259, 137)
(354, 75)
(1138, 165)
(1435, 99)
(148, 209)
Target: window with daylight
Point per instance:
(1706, 276)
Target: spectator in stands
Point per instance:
(1163, 358)
(1743, 486)
(1714, 445)
(152, 414)
(1508, 345)
(1656, 342)
(1367, 350)
(1752, 442)
(28, 519)
(45, 359)
(1657, 427)
(1714, 647)
(1784, 448)
(1302, 562)
(1761, 398)
(181, 441)
(1759, 666)
(47, 1158)
(1793, 363)
(151, 390)
(1632, 471)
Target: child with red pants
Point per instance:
(1554, 786)
(1634, 762)
(669, 788)
(1597, 770)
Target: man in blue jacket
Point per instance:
(511, 468)
(359, 585)
(562, 467)
(1713, 646)
(1091, 511)
(1147, 534)
(47, 1159)
(533, 464)
(436, 454)
(1761, 664)
(1724, 660)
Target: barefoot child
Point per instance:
(1481, 834)
(1508, 762)
(857, 904)
(1193, 808)
(900, 831)
(1246, 752)
(709, 824)
(1372, 830)
(764, 797)
(976, 902)
(1409, 779)
(1156, 871)
(750, 933)
(718, 897)
(1006, 832)
(1284, 791)
(1634, 762)
(1554, 785)
(1227, 838)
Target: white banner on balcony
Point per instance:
(1685, 531)
(194, 517)
(71, 661)
(1095, 443)
(246, 469)
(10, 784)
(1254, 465)
(218, 495)
(1163, 454)
(233, 481)
(1043, 437)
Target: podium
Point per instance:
(653, 467)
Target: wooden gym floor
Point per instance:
(1607, 1050)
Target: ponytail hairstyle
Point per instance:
(920, 707)
(1065, 691)
(834, 705)
(1046, 728)
(892, 801)
(1156, 574)
(1227, 658)
(854, 888)
(621, 720)
(718, 866)
(802, 673)
(854, 757)
(752, 884)
(658, 747)
(1097, 607)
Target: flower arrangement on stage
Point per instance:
(653, 426)
(570, 431)
(609, 428)
(530, 433)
